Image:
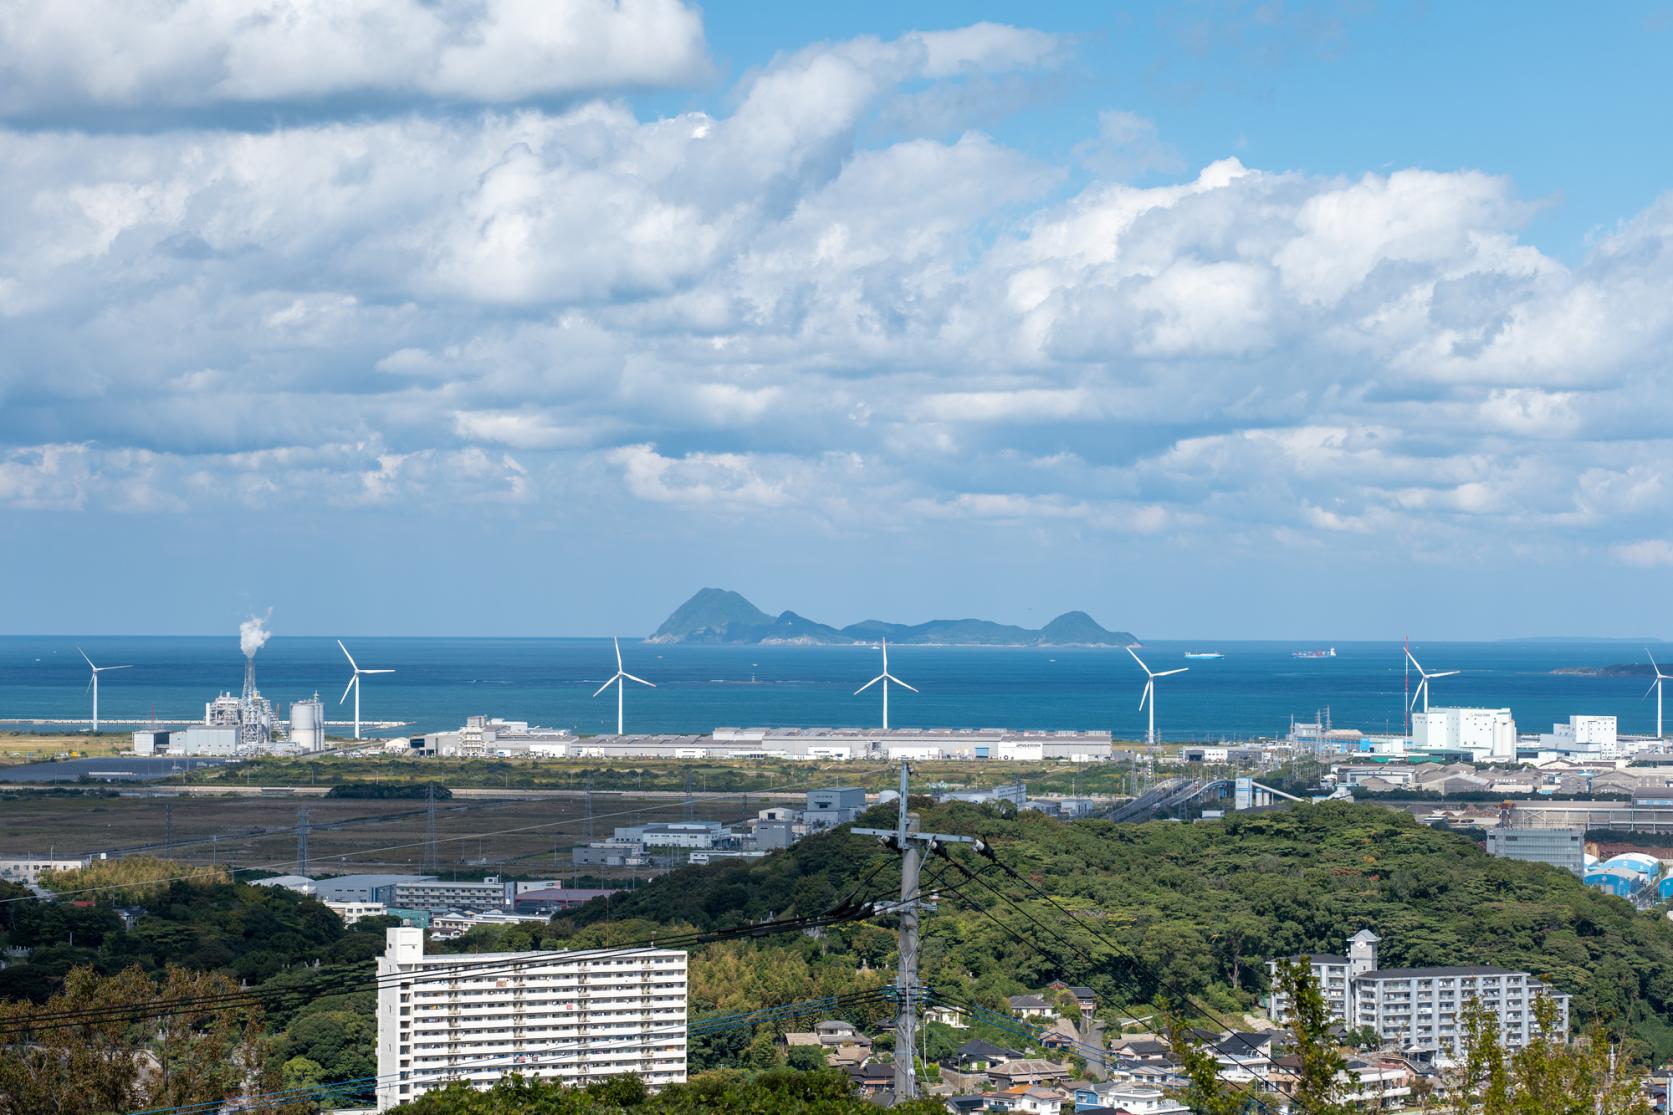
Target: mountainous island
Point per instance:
(717, 615)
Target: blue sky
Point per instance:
(1235, 320)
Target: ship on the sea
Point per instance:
(1328, 652)
(1203, 654)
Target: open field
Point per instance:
(752, 775)
(31, 747)
(519, 836)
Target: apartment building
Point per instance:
(1419, 1008)
(575, 1017)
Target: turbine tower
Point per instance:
(354, 684)
(1149, 694)
(885, 677)
(1656, 685)
(620, 682)
(93, 684)
(1423, 681)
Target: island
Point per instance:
(717, 615)
(1613, 670)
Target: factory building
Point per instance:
(1488, 734)
(1420, 1008)
(1583, 737)
(835, 806)
(577, 1017)
(307, 724)
(1560, 847)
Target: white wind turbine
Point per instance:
(1423, 683)
(885, 677)
(1149, 694)
(354, 684)
(620, 682)
(93, 684)
(1656, 685)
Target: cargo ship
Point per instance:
(1203, 654)
(1329, 652)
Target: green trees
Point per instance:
(1548, 1076)
(122, 1063)
(1321, 1070)
(780, 1092)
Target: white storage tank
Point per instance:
(307, 724)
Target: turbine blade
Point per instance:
(641, 681)
(84, 657)
(354, 677)
(1145, 696)
(349, 656)
(1414, 660)
(617, 643)
(1445, 674)
(1650, 690)
(869, 684)
(1166, 673)
(1139, 660)
(606, 685)
(127, 667)
(1418, 692)
(375, 671)
(898, 682)
(1647, 654)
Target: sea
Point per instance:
(1254, 691)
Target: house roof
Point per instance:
(1019, 1002)
(976, 1047)
(1027, 1066)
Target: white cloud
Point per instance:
(769, 311)
(1647, 553)
(104, 54)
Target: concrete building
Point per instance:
(445, 927)
(205, 739)
(352, 912)
(835, 806)
(492, 893)
(1559, 847)
(28, 869)
(1489, 734)
(1419, 1008)
(609, 853)
(485, 737)
(1583, 737)
(575, 1017)
(675, 834)
(152, 741)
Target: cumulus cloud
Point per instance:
(767, 311)
(173, 54)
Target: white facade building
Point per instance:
(352, 912)
(1488, 733)
(1420, 1008)
(29, 869)
(1584, 737)
(575, 1017)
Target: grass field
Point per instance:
(30, 747)
(519, 836)
(752, 775)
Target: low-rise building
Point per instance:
(28, 869)
(1487, 733)
(575, 1017)
(352, 912)
(1564, 847)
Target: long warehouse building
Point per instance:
(575, 1017)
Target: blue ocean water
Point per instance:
(1253, 691)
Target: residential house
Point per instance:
(977, 1055)
(1136, 1099)
(1085, 997)
(1031, 1006)
(1025, 1100)
(1027, 1070)
(1061, 1034)
(947, 1016)
(873, 1079)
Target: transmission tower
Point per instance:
(911, 844)
(689, 810)
(302, 840)
(587, 826)
(430, 827)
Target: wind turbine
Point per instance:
(1656, 685)
(885, 677)
(620, 682)
(1424, 679)
(94, 683)
(354, 684)
(1149, 694)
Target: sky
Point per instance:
(482, 317)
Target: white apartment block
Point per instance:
(30, 869)
(575, 1017)
(352, 912)
(1420, 1008)
(1488, 733)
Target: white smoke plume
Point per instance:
(253, 634)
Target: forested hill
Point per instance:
(1200, 906)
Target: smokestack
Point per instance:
(252, 636)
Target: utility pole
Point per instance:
(302, 840)
(168, 830)
(689, 803)
(911, 844)
(430, 826)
